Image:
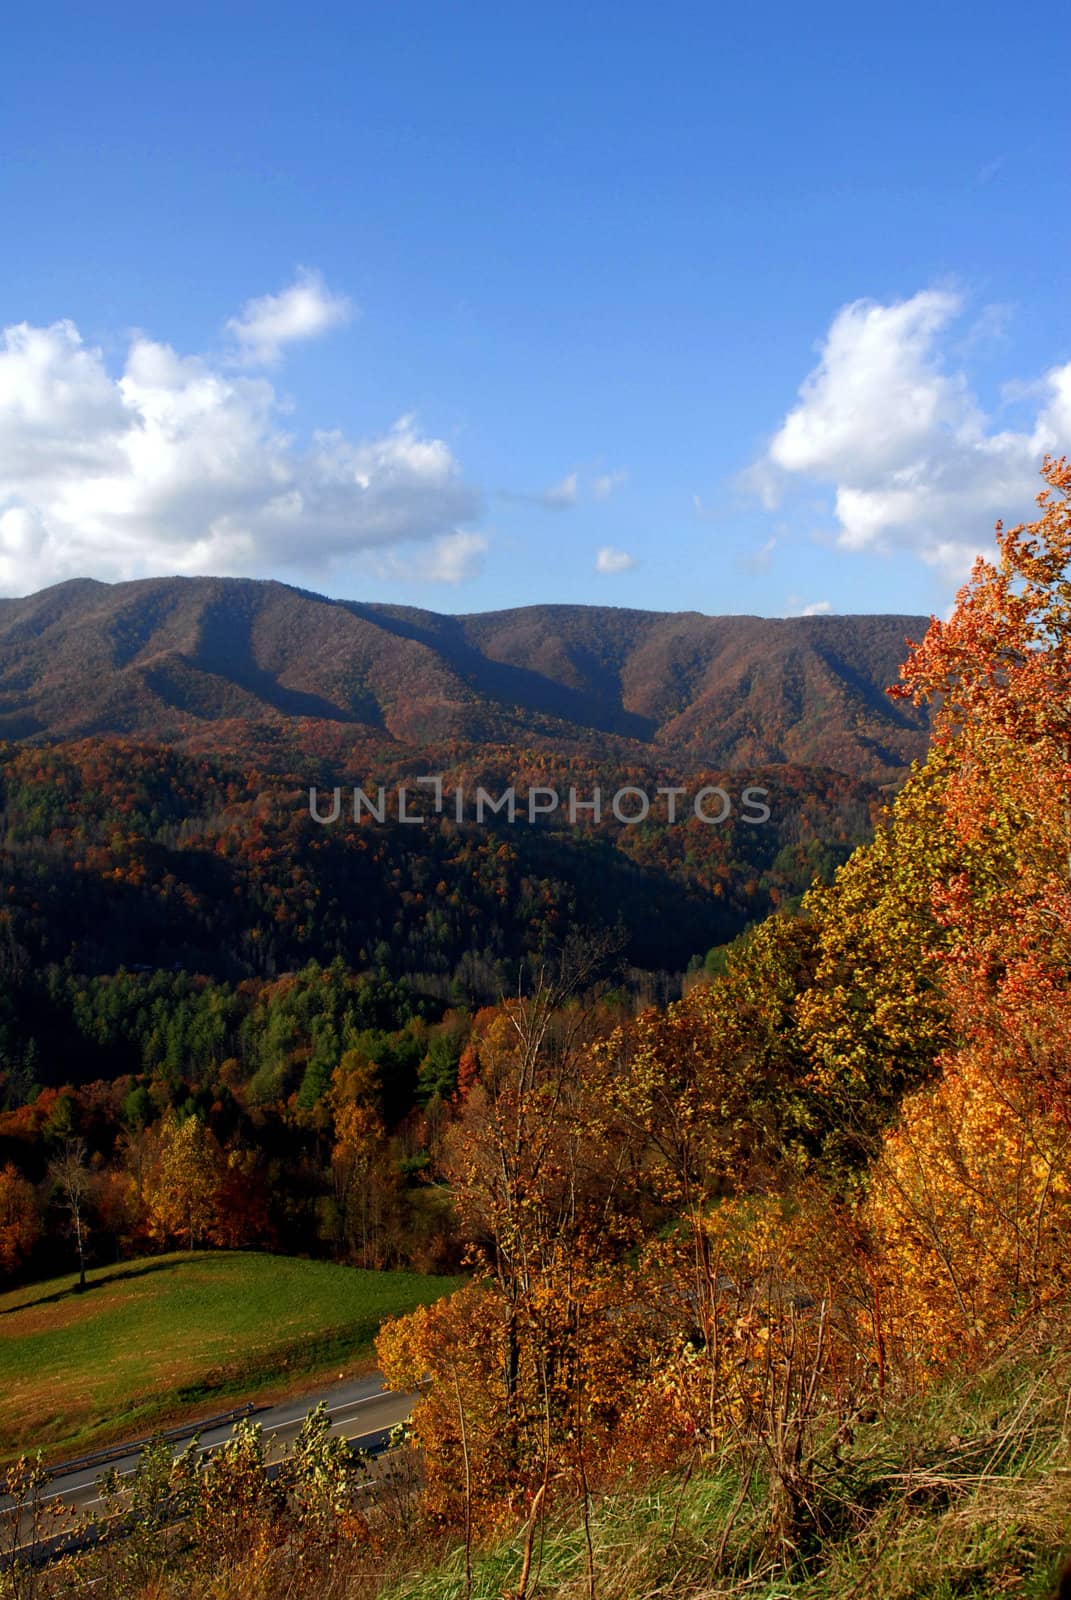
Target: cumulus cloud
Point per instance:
(305, 310)
(176, 466)
(913, 459)
(611, 561)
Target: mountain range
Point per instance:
(170, 658)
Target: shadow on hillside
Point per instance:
(120, 1275)
(598, 707)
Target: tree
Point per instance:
(362, 1175)
(970, 1201)
(520, 1363)
(20, 1220)
(971, 1198)
(875, 1016)
(70, 1174)
(1002, 661)
(1000, 671)
(181, 1189)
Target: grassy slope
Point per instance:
(154, 1338)
(963, 1496)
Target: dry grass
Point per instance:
(964, 1495)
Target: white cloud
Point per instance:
(612, 561)
(817, 608)
(877, 368)
(604, 485)
(561, 496)
(451, 559)
(305, 310)
(175, 466)
(914, 461)
(565, 494)
(988, 329)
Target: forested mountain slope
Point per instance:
(196, 660)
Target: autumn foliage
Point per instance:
(822, 1179)
(733, 1228)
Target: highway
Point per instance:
(360, 1410)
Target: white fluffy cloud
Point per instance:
(305, 310)
(915, 462)
(610, 560)
(176, 466)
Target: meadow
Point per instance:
(163, 1337)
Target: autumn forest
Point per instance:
(752, 1144)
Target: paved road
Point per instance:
(357, 1408)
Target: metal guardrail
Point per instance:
(133, 1447)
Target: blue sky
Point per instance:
(438, 302)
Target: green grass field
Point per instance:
(175, 1335)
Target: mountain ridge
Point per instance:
(168, 658)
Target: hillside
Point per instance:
(118, 852)
(196, 660)
(960, 1497)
